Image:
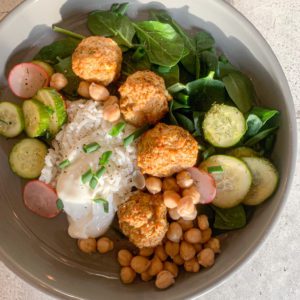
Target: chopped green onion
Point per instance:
(105, 158)
(59, 204)
(129, 139)
(67, 32)
(100, 172)
(93, 182)
(2, 121)
(117, 129)
(104, 203)
(87, 176)
(215, 169)
(92, 147)
(64, 164)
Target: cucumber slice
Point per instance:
(37, 118)
(223, 125)
(45, 66)
(51, 98)
(265, 180)
(27, 158)
(11, 119)
(233, 183)
(243, 152)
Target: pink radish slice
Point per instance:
(41, 199)
(205, 184)
(26, 79)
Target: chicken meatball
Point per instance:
(97, 59)
(143, 219)
(165, 150)
(144, 98)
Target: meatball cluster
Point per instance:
(144, 98)
(165, 150)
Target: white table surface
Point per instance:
(274, 271)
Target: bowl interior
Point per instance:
(40, 250)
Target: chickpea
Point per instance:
(153, 185)
(87, 245)
(124, 258)
(206, 257)
(105, 245)
(127, 275)
(193, 193)
(173, 213)
(140, 264)
(177, 259)
(161, 253)
(193, 236)
(203, 223)
(192, 265)
(146, 252)
(155, 267)
(83, 89)
(186, 206)
(184, 179)
(171, 199)
(171, 267)
(206, 235)
(172, 249)
(174, 233)
(146, 276)
(191, 216)
(170, 184)
(111, 100)
(58, 81)
(198, 247)
(186, 225)
(187, 250)
(98, 92)
(111, 113)
(214, 245)
(164, 279)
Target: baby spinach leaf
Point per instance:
(171, 115)
(176, 88)
(162, 43)
(119, 8)
(223, 69)
(185, 122)
(198, 119)
(170, 75)
(61, 48)
(229, 218)
(269, 144)
(110, 24)
(240, 90)
(264, 114)
(204, 41)
(209, 62)
(130, 65)
(260, 136)
(254, 124)
(177, 105)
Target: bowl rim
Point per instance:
(253, 249)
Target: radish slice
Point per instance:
(26, 79)
(41, 199)
(205, 184)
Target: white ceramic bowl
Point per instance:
(39, 250)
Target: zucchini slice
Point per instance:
(233, 183)
(243, 152)
(224, 125)
(265, 180)
(37, 118)
(52, 99)
(27, 158)
(11, 119)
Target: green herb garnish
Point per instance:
(64, 164)
(215, 169)
(117, 129)
(92, 147)
(2, 121)
(59, 204)
(93, 182)
(67, 32)
(129, 139)
(87, 176)
(104, 203)
(100, 172)
(105, 158)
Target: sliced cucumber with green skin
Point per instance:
(224, 126)
(265, 180)
(51, 98)
(27, 158)
(243, 152)
(233, 184)
(37, 118)
(11, 119)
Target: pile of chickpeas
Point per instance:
(180, 194)
(187, 243)
(91, 245)
(97, 92)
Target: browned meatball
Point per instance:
(97, 59)
(143, 219)
(144, 98)
(165, 150)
